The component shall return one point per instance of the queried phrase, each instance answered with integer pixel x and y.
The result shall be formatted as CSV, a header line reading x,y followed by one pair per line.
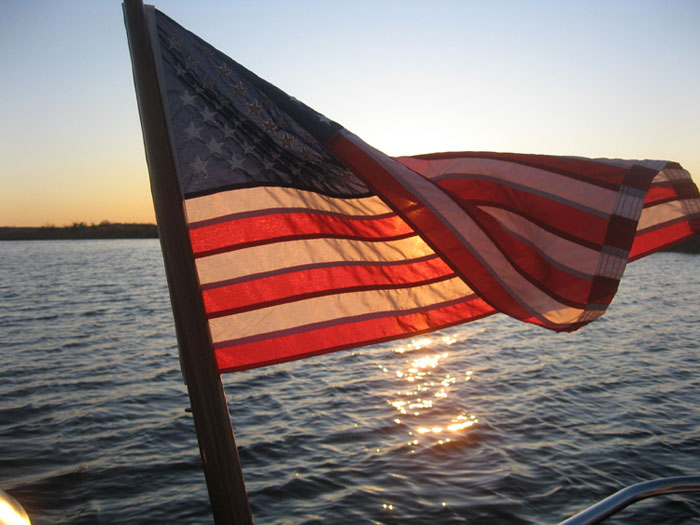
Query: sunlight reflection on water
x,y
424,379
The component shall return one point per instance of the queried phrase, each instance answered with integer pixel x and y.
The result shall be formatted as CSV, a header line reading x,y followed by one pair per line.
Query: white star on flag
x,y
239,89
192,132
248,148
187,99
223,71
269,126
254,108
228,131
191,63
214,146
236,162
208,115
286,141
175,43
199,166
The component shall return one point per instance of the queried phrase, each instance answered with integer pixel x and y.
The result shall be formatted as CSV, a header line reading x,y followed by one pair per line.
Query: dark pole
x,y
222,467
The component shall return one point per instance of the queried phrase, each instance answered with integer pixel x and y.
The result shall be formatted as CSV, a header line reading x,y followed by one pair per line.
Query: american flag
x,y
307,240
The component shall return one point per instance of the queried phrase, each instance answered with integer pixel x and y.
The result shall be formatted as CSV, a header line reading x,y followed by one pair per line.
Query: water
x,y
491,422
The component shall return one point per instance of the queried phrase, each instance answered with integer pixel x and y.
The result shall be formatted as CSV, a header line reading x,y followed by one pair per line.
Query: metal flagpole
x,y
222,468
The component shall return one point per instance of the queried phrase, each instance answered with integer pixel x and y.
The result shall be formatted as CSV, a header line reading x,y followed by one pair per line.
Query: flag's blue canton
x,y
233,129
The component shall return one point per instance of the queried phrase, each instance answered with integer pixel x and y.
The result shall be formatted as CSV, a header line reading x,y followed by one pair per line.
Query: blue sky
x,y
596,78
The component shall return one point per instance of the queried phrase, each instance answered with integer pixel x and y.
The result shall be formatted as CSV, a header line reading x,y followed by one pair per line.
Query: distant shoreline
x,y
689,246
118,230
104,230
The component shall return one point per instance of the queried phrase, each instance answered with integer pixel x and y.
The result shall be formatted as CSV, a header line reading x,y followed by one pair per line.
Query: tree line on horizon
x,y
80,230
125,230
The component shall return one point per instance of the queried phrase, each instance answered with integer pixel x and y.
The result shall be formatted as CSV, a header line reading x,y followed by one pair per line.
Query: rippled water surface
x,y
491,422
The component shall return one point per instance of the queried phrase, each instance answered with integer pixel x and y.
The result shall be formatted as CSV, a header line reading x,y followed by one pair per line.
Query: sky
x,y
601,78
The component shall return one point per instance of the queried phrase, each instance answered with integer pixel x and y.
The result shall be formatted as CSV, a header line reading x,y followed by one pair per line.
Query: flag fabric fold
x,y
306,240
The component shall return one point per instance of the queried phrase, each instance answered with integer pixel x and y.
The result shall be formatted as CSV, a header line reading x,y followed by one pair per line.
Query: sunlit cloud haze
x,y
595,79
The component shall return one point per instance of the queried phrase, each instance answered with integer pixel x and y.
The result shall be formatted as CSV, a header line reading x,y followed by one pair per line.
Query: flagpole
x,y
222,467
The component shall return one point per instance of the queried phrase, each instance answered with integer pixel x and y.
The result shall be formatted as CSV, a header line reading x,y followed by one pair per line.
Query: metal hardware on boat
x,y
11,512
621,499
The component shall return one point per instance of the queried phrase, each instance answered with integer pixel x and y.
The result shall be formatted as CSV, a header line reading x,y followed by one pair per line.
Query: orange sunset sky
x,y
595,79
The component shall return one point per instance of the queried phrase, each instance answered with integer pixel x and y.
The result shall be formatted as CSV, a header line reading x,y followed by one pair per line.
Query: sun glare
x,y
429,382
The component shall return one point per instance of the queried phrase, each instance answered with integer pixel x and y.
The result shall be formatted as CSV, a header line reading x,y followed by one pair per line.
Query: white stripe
x,y
556,186
563,253
262,198
269,257
668,211
629,202
672,175
329,308
453,217
564,315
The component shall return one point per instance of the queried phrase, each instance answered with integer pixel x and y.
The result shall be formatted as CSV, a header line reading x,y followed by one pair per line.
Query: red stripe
x,y
664,237
563,286
349,335
252,231
659,194
668,191
295,285
561,219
